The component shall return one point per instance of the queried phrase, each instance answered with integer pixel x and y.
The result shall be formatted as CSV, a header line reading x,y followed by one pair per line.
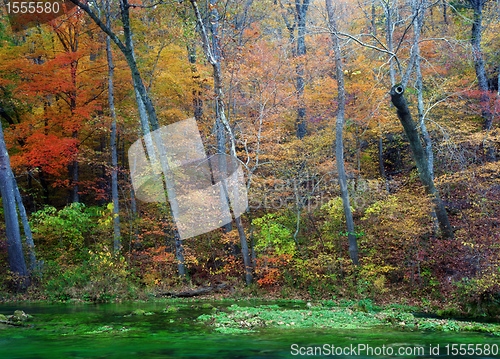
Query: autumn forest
x,y
367,132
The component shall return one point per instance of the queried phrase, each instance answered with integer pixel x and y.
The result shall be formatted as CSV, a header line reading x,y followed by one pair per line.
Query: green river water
x,y
108,331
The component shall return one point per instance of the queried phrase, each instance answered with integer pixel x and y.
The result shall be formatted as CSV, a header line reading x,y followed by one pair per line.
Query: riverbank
x,y
428,305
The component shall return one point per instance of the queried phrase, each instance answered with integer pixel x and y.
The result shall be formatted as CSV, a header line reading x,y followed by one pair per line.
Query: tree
x,y
301,8
212,57
27,229
424,172
419,11
479,65
147,112
339,129
17,263
114,156
56,93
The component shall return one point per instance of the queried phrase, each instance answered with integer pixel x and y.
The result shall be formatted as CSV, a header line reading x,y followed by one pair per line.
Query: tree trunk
x,y
210,54
135,214
431,11
406,119
420,96
45,187
419,86
221,135
290,27
445,15
479,65
197,99
136,75
179,254
17,264
147,112
26,226
244,250
477,52
389,39
301,10
381,156
114,156
374,26
75,195
339,141
380,136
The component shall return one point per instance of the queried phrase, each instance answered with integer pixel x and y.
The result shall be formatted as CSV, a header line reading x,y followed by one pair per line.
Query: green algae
x,y
222,329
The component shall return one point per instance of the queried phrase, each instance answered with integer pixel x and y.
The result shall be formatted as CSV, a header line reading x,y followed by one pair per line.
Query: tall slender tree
x,y
27,229
301,8
480,67
114,155
339,131
403,111
219,98
147,112
478,56
220,131
17,264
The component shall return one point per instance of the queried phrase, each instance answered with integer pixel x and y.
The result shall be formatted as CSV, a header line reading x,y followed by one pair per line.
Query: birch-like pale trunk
x,y
26,227
17,264
339,131
301,11
219,96
219,126
389,37
419,85
114,156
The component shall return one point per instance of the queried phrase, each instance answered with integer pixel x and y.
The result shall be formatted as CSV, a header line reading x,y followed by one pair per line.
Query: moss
x,y
253,318
171,309
140,312
19,316
449,312
248,319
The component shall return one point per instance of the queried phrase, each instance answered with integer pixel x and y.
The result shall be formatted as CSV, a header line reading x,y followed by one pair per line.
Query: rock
x,y
138,312
19,316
